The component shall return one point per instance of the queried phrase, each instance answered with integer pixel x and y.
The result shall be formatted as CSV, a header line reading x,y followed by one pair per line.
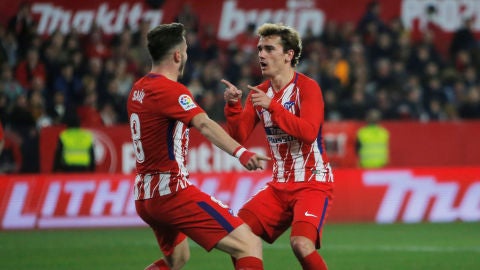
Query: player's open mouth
x,y
263,64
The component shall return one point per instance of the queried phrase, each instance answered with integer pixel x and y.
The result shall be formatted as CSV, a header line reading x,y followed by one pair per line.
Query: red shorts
x,y
188,212
281,205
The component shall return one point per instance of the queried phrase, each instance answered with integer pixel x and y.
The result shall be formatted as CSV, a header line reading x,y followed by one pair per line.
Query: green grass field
x,y
346,246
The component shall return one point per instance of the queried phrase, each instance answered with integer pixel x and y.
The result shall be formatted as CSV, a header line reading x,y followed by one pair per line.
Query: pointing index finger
x,y
254,88
229,84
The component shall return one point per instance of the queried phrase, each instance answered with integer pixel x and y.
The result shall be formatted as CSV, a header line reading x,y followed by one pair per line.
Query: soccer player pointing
x,y
290,107
161,110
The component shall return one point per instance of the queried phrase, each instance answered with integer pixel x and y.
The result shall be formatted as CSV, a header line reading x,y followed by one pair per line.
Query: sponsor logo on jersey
x,y
186,102
307,214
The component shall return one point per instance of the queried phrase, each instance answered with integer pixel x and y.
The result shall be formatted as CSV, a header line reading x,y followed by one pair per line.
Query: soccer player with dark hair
x,y
290,107
161,111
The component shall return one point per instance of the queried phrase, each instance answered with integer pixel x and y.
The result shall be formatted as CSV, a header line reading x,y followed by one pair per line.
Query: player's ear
x,y
289,56
177,56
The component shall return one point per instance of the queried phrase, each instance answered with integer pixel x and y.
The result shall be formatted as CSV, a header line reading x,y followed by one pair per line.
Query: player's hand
x,y
260,98
250,160
232,94
256,162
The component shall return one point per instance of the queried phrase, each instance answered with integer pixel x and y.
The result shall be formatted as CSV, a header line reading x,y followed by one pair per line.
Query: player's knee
x,y
301,246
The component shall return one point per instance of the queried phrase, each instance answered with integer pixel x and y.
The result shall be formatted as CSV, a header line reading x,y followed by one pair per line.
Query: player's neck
x,y
280,80
170,73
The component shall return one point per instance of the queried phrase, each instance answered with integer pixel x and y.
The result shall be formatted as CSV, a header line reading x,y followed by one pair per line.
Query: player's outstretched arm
x,y
218,136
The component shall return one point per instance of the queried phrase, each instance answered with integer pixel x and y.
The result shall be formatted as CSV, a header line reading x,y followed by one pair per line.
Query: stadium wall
x,y
412,144
105,200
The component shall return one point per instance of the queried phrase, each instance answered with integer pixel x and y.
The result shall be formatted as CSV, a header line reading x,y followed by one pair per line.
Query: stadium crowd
x,y
359,65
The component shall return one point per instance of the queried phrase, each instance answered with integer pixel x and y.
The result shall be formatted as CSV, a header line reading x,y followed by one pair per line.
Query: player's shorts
x,y
281,205
188,212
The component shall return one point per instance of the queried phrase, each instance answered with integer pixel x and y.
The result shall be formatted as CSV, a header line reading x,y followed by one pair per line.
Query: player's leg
x,y
310,213
244,247
210,223
176,260
172,243
304,248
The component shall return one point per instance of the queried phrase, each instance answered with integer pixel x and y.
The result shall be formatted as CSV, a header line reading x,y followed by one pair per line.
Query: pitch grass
x,y
346,246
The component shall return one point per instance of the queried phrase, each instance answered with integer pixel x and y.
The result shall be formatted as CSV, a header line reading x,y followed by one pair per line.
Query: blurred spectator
x,y
8,47
75,147
21,118
9,86
209,102
209,42
373,142
332,110
38,110
108,114
356,107
436,110
88,113
56,111
331,35
370,25
23,25
247,40
69,84
23,124
470,106
412,105
124,78
116,101
10,154
341,66
463,38
95,44
29,68
188,18
384,104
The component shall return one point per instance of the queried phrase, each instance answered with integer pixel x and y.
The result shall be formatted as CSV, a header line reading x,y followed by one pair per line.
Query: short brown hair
x,y
290,38
163,38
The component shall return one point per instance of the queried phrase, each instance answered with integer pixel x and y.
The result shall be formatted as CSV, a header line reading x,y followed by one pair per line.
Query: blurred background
x,y
407,67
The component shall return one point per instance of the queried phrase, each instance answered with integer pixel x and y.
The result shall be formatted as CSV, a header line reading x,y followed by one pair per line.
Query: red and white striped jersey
x,y
293,127
160,111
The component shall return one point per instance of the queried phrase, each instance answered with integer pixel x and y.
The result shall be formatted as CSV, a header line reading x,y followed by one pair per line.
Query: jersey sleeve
x,y
306,126
241,121
176,103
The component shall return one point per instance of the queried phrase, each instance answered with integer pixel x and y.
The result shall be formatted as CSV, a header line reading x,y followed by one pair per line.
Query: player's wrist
x,y
239,151
243,154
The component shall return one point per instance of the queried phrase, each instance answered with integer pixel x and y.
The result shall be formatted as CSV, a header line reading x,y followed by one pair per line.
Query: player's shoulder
x,y
304,79
307,82
264,85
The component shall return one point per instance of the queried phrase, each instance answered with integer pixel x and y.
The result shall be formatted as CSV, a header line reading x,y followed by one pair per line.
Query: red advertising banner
x,y
105,200
229,18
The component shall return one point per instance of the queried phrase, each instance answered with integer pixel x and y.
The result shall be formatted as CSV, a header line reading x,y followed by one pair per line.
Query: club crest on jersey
x,y
138,95
288,105
186,102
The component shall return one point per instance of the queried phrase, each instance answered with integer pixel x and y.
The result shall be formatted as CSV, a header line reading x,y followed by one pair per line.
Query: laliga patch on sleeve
x,y
186,102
